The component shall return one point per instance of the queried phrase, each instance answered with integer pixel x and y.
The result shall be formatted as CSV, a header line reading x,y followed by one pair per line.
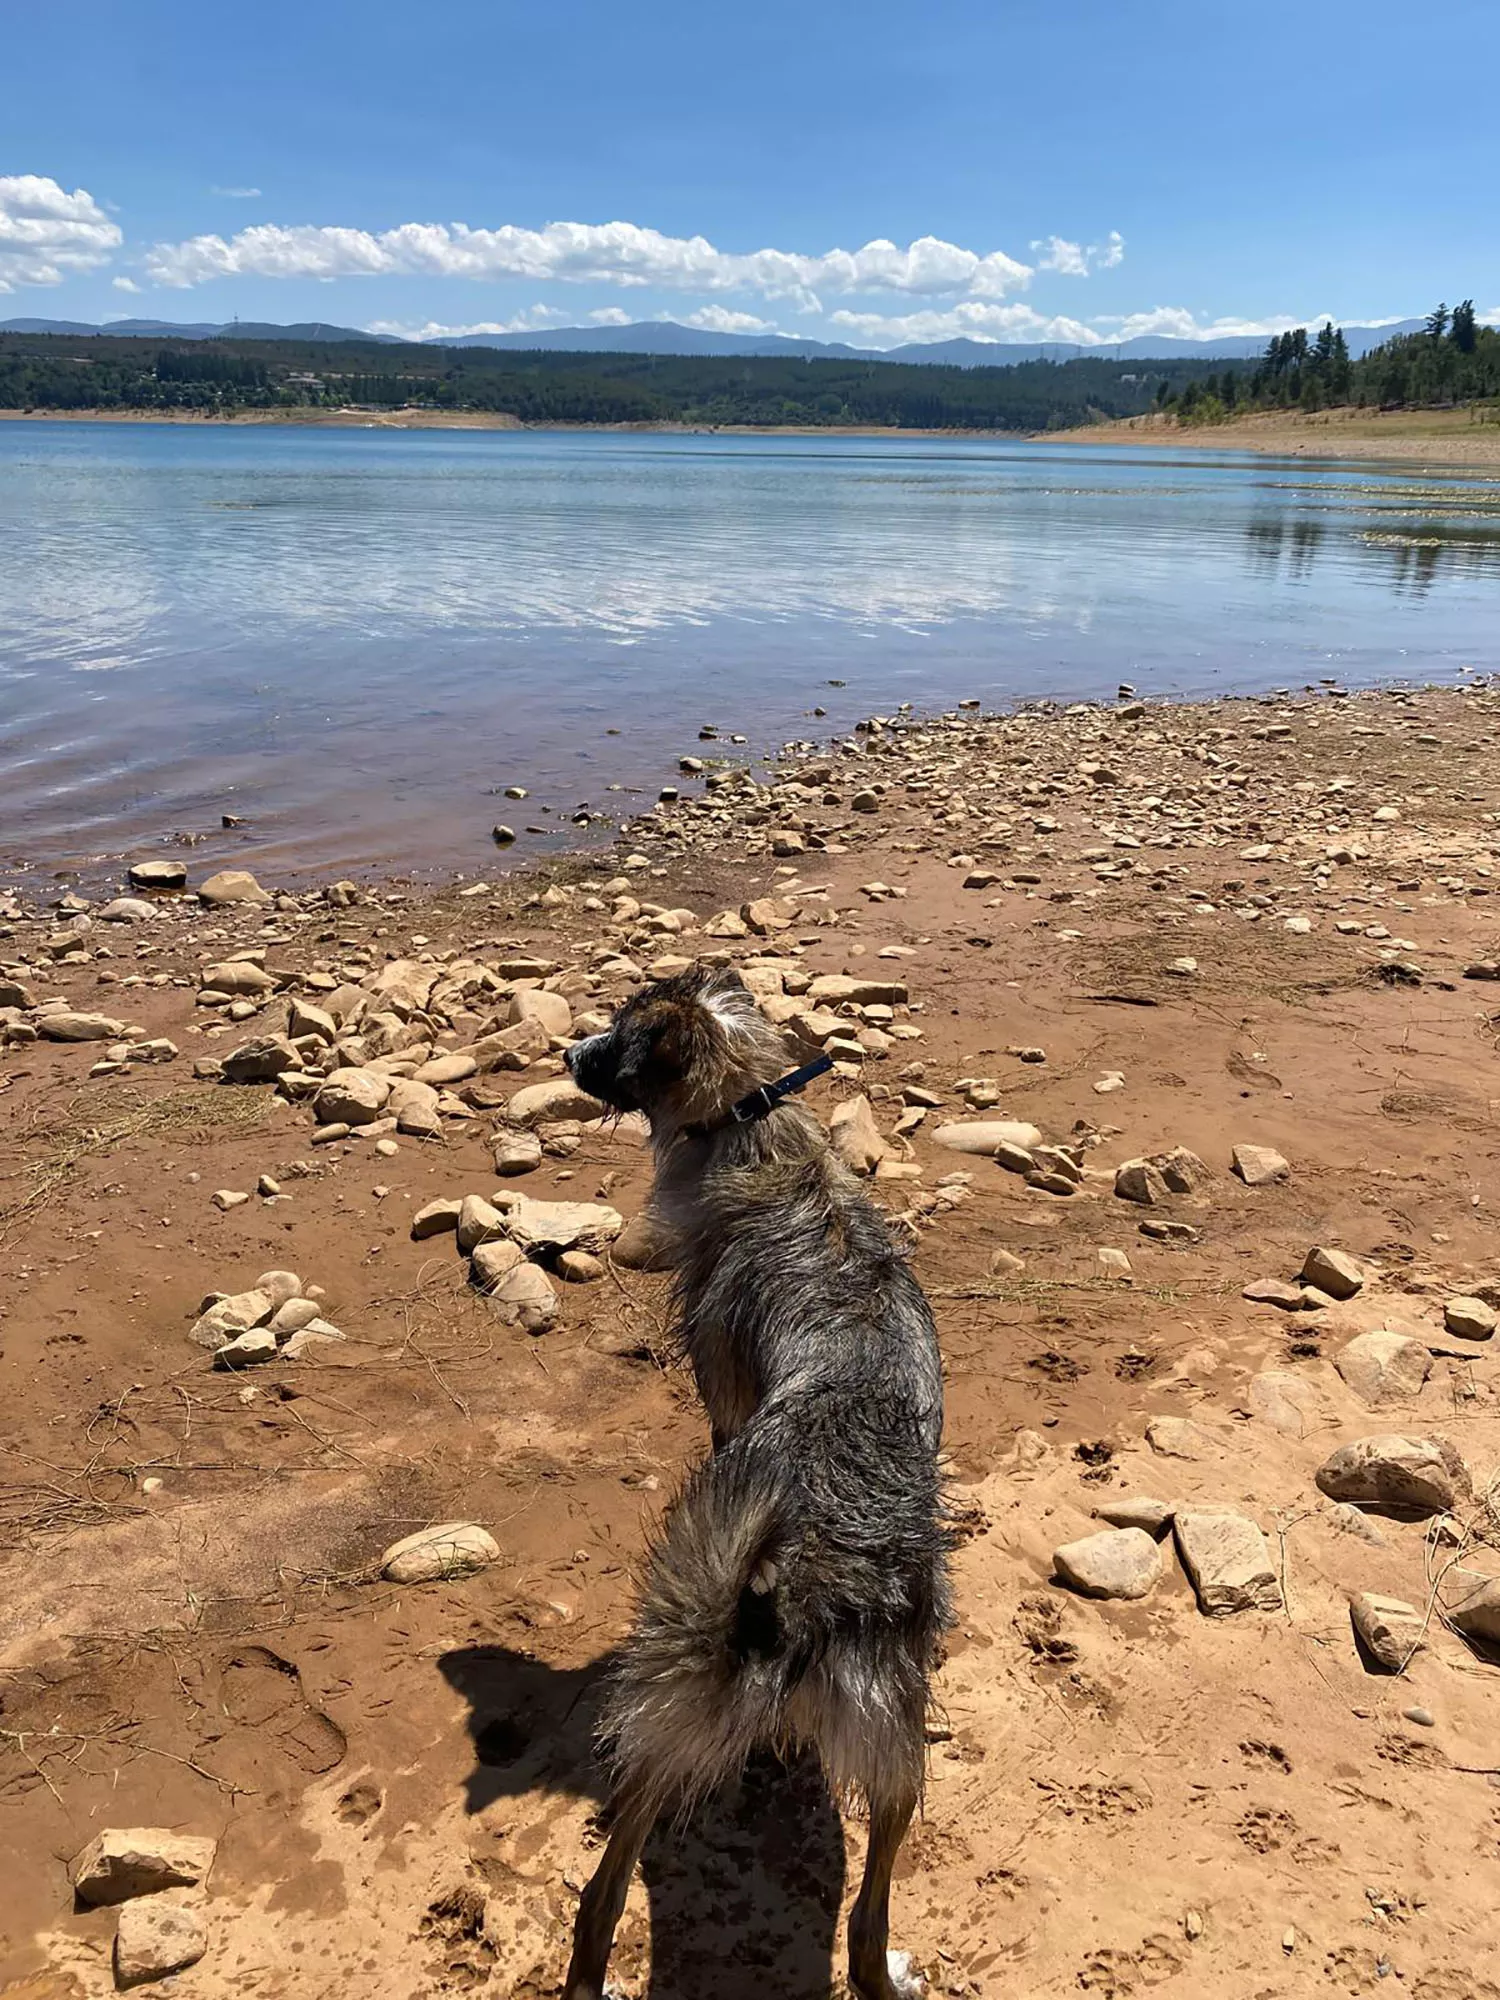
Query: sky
x,y
870,173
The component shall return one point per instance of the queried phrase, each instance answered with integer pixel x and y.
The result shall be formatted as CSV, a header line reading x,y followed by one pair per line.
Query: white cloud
x,y
972,320
47,234
532,320
721,319
610,316
614,253
1179,324
1075,260
237,194
125,284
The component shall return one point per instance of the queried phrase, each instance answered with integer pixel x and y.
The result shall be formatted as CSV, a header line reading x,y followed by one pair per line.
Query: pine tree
x,y
1463,332
1437,323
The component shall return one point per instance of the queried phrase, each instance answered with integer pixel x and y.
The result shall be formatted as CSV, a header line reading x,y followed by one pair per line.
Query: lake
x,y
357,639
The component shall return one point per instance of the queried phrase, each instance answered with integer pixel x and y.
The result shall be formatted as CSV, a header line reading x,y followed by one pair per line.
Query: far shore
x,y
1431,437
1434,437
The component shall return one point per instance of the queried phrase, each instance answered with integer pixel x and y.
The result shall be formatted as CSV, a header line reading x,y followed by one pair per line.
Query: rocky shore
x,y
336,1395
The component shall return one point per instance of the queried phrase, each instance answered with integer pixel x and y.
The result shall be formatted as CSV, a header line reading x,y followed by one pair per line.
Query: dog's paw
x,y
906,1982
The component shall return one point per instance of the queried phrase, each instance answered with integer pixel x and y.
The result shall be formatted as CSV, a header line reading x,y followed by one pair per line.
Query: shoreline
x,y
1429,436
1153,932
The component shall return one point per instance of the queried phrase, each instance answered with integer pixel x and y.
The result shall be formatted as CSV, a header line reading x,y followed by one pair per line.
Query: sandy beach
x,y
1429,437
1178,942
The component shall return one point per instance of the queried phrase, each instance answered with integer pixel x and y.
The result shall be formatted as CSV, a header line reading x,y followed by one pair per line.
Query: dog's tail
x,y
704,1677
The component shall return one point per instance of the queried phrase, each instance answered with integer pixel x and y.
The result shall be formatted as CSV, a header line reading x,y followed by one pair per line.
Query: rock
x,y
139,1860
1227,1561
1259,1166
1287,1402
63,1024
1423,1475
1475,1611
1179,1437
436,1219
517,1153
157,1936
1183,1172
645,1244
303,1019
1470,1319
454,1548
984,1136
1140,1181
351,1097
158,875
550,1010
1116,1562
479,1221
579,1267
1334,1272
280,1287
260,1061
228,1316
246,1349
841,989
552,1226
540,1103
127,910
1114,1263
414,1106
856,1137
228,1198
1384,1368
1151,1516
232,885
307,1339
524,1297
1274,1292
770,913
445,1070
293,1317
493,1261
1389,1629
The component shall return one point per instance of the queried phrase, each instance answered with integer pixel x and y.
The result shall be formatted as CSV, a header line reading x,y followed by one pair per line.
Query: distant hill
x,y
667,337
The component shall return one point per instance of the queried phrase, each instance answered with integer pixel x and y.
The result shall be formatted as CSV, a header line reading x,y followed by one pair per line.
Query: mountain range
x,y
666,337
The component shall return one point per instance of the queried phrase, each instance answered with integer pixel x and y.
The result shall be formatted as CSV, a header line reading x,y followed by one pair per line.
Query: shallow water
x,y
355,638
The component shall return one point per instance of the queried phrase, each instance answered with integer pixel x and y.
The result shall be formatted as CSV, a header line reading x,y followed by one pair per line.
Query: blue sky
x,y
872,173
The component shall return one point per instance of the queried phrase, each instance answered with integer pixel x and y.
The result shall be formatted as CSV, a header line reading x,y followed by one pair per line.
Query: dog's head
x,y
683,1050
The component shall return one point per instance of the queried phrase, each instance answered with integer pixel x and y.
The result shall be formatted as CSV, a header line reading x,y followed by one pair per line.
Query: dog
x,y
796,1595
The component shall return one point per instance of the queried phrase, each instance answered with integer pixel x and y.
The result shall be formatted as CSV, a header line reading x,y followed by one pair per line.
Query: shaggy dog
x,y
797,1591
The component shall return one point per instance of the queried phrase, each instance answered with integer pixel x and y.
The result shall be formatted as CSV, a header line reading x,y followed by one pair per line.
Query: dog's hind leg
x,y
602,1902
870,1919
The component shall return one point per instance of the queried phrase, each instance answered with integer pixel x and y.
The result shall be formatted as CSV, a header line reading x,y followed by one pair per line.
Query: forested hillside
x,y
46,372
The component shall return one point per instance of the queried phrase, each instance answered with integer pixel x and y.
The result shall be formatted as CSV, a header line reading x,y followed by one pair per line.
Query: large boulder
x,y
1384,1367
157,1936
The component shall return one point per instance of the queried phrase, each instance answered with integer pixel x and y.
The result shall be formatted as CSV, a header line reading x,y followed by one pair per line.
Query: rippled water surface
x,y
354,637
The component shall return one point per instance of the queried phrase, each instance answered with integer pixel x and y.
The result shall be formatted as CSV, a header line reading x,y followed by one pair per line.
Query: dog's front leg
x,y
602,1902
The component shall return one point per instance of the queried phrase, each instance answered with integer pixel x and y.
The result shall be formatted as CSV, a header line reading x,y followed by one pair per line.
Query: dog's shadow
x,y
744,1899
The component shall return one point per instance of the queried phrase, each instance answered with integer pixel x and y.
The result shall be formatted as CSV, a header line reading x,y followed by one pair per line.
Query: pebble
x,y
493,1261
479,1221
435,1219
1423,1717
1141,1182
523,1295
539,1103
579,1267
1137,1511
454,1548
1116,1562
986,1135
1274,1292
228,1198
517,1153
351,1097
246,1349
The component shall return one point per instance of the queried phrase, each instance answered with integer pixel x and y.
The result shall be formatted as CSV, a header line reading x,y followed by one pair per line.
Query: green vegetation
x,y
41,372
1452,361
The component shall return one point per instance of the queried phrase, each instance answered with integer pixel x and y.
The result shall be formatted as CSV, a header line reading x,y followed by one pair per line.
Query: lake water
x,y
356,638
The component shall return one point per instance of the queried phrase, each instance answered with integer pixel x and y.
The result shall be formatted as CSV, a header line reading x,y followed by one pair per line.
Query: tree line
x,y
41,372
1452,360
